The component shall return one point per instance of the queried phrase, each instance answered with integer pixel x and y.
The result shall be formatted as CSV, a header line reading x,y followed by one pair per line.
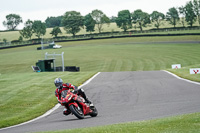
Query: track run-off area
x,y
124,97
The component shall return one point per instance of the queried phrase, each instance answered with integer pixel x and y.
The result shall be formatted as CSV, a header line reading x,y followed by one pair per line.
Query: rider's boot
x,y
66,111
87,101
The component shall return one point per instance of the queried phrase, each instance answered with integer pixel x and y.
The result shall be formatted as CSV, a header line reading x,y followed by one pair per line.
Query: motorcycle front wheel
x,y
94,111
77,111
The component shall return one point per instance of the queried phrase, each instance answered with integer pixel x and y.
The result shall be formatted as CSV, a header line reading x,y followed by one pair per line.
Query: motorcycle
x,y
77,105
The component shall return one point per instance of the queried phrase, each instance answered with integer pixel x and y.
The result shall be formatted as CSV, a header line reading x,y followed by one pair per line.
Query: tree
x,y
39,28
182,12
190,14
13,20
27,31
141,18
5,41
157,17
113,19
20,38
172,16
73,22
100,19
124,20
53,21
56,30
89,23
196,4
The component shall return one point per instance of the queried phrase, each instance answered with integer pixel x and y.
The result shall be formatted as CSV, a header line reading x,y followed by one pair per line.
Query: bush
x,y
15,41
20,39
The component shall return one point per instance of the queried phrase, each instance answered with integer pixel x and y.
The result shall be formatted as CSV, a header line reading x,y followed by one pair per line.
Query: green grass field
x,y
22,91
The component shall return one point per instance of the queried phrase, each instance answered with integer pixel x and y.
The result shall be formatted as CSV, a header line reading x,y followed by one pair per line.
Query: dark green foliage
x,y
172,16
196,4
20,39
73,22
13,20
53,21
113,19
182,12
157,17
89,23
100,19
141,18
124,20
39,28
27,31
190,15
56,30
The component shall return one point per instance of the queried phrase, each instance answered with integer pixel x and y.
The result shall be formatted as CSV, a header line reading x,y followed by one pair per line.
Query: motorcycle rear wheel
x,y
77,111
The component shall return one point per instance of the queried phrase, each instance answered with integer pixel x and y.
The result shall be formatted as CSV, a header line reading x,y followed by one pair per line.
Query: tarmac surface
x,y
123,97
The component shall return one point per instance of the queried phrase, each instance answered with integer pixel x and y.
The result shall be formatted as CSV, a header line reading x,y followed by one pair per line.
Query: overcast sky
x,y
41,9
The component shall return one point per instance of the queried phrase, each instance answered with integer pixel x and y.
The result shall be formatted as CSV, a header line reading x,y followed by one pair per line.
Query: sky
x,y
41,9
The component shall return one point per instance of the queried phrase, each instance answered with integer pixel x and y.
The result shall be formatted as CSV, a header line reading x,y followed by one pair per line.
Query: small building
x,y
46,65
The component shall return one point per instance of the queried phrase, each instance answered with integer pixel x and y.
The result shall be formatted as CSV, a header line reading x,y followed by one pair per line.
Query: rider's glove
x,y
62,103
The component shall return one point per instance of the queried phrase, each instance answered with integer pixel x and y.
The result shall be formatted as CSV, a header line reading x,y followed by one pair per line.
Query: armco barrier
x,y
109,36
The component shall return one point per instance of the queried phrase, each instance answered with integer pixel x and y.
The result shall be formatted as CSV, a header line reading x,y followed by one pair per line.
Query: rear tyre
x,y
77,111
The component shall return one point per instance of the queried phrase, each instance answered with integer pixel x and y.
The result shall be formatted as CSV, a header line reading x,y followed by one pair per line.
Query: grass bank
x,y
184,72
179,124
26,95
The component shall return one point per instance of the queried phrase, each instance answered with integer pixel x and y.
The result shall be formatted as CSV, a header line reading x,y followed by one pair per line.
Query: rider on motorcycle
x,y
60,86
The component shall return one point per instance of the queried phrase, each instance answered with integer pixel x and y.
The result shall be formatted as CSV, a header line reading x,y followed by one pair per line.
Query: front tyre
x,y
94,112
77,111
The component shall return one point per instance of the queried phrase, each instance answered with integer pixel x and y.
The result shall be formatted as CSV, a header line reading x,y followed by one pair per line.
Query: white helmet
x,y
58,83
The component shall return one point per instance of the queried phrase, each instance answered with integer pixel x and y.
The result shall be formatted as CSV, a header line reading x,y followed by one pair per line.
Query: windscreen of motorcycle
x,y
64,93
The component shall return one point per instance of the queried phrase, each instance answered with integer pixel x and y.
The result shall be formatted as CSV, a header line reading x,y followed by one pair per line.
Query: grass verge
x,y
179,124
25,96
184,72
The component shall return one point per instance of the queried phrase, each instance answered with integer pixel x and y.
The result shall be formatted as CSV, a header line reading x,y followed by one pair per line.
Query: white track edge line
x,y
181,78
51,110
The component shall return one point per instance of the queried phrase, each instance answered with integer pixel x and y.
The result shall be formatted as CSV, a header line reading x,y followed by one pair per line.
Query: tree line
x,y
73,21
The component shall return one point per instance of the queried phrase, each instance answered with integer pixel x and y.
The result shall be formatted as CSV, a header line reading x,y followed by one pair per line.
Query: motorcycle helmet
x,y
58,83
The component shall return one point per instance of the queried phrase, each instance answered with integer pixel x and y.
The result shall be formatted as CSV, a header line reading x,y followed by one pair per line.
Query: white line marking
x,y
51,110
89,80
181,78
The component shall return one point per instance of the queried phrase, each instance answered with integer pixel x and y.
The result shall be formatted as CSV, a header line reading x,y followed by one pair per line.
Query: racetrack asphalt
x,y
123,97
